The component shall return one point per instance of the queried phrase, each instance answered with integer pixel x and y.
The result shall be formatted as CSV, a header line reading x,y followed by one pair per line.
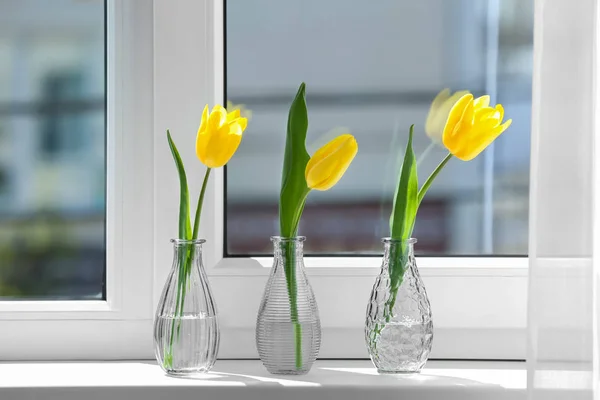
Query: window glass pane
x,y
52,149
373,68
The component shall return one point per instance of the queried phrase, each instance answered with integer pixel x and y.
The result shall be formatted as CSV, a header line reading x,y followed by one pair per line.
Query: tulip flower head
x,y
327,166
219,135
438,113
473,125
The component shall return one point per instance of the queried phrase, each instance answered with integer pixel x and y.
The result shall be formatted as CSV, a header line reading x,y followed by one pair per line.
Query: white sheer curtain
x,y
563,286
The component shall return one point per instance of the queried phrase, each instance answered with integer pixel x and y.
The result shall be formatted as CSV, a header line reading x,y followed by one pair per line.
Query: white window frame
x,y
165,63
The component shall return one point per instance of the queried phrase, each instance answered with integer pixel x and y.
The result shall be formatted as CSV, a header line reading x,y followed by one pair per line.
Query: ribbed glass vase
x,y
399,326
288,330
186,330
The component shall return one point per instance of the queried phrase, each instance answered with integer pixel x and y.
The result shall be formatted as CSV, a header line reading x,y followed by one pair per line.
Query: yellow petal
x,y
230,137
483,127
204,119
235,128
217,117
505,126
202,140
468,117
476,146
202,136
219,109
231,115
455,115
242,122
207,146
483,101
500,110
485,113
327,166
459,124
462,129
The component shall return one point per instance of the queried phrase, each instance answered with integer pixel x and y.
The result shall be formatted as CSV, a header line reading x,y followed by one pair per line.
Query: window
x,y
52,150
373,69
152,85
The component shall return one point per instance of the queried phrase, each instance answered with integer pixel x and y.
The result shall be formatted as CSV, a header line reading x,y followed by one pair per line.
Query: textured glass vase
x,y
288,330
399,328
186,330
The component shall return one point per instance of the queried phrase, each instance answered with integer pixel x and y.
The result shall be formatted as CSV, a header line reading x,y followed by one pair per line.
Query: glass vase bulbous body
x,y
186,329
399,326
288,329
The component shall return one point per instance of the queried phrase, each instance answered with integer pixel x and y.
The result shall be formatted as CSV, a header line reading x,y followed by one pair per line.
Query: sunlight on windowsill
x,y
329,376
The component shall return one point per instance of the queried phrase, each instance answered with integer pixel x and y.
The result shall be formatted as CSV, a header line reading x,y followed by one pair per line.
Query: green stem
x,y
298,215
290,274
298,339
199,206
184,260
292,286
288,250
429,180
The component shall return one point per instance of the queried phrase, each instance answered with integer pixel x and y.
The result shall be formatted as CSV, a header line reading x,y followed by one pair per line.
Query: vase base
x,y
187,373
288,372
396,372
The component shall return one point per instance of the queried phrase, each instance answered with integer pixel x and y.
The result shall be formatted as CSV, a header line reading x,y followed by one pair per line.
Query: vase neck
x,y
288,249
191,249
393,248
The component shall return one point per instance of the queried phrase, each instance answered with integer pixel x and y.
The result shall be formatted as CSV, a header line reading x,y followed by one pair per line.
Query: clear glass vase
x,y
399,327
288,329
186,330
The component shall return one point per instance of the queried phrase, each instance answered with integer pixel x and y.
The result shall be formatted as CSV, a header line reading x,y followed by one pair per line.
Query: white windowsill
x,y
248,380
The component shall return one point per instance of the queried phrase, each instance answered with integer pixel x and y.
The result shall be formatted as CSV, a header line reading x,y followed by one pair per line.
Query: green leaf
x,y
404,210
185,229
293,182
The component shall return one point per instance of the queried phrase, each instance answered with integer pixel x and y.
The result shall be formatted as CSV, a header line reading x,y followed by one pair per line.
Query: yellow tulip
x,y
219,136
438,113
473,125
327,166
